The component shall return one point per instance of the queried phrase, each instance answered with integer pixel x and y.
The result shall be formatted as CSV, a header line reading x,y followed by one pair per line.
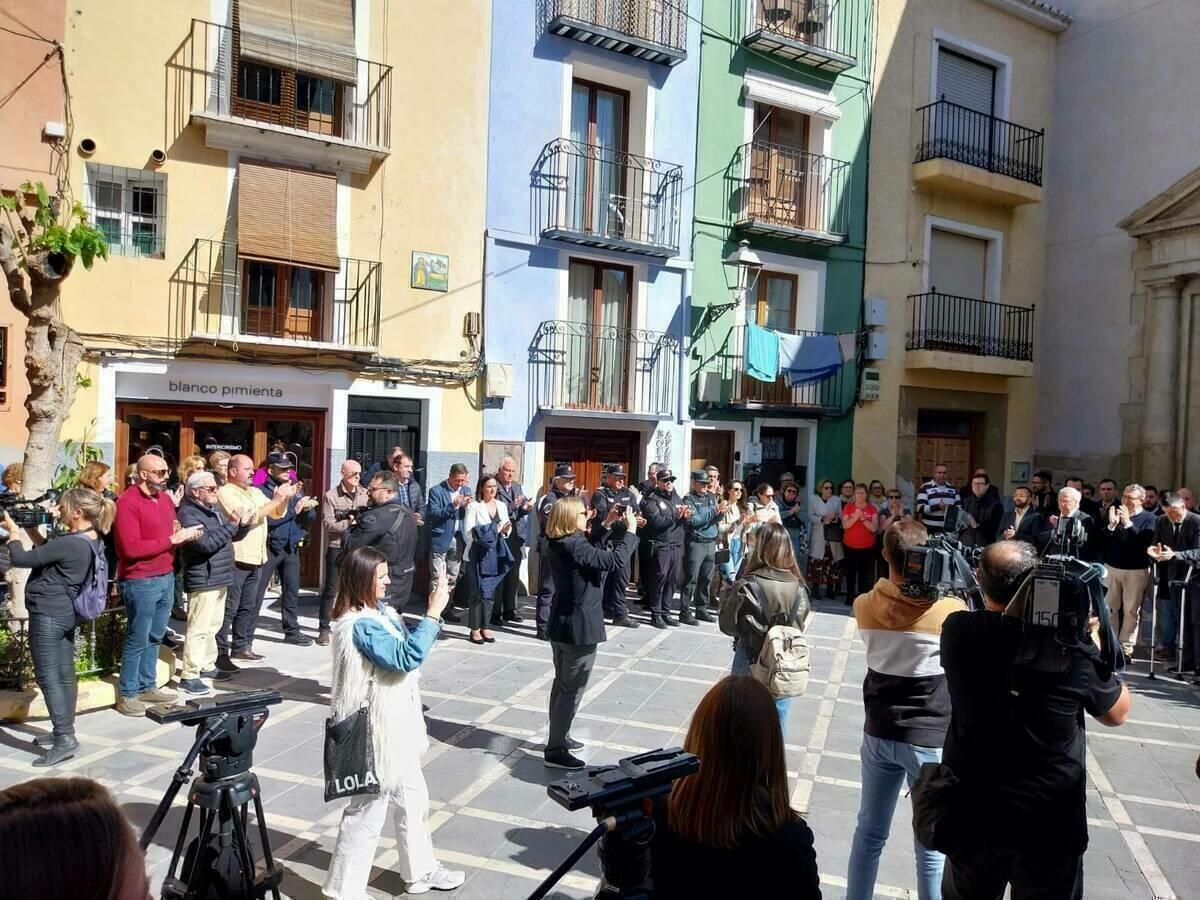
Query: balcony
x,y
978,155
602,370
824,34
739,390
599,197
792,194
222,297
961,334
282,113
653,30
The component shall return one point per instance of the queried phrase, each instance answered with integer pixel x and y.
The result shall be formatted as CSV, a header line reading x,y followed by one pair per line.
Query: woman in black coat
x,y
576,623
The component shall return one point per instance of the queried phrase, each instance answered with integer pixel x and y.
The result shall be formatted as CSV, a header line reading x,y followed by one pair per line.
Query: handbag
x,y
350,754
936,807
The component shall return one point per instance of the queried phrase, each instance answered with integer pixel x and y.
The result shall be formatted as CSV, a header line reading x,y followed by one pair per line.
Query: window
x,y
966,82
776,301
287,97
958,264
315,95
259,83
282,301
599,306
130,207
599,120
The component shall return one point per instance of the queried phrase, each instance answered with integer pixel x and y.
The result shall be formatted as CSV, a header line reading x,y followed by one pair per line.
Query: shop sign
x,y
204,389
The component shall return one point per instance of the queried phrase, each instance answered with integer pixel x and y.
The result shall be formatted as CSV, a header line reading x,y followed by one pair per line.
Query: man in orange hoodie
x,y
907,706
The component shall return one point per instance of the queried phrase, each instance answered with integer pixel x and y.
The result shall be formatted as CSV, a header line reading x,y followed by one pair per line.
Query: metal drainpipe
x,y
1183,380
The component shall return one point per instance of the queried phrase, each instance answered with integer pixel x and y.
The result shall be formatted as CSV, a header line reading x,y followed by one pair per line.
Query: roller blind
x,y
315,36
957,264
965,82
287,215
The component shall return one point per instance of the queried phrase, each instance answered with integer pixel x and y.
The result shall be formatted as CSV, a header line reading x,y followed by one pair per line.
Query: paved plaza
x,y
491,815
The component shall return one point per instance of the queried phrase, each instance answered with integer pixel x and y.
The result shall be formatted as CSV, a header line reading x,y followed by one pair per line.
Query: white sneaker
x,y
440,879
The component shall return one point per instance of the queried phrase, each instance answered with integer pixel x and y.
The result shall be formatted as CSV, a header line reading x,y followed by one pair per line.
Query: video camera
x,y
341,515
28,513
943,565
1059,599
616,796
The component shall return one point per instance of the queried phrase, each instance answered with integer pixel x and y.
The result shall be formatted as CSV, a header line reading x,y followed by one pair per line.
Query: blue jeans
x,y
741,666
729,569
886,765
147,608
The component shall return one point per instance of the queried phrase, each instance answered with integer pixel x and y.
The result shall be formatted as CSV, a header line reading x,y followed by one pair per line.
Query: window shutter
x,y
966,82
287,216
958,264
315,36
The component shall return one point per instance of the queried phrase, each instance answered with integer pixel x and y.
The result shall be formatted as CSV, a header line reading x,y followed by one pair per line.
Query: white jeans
x,y
206,613
362,823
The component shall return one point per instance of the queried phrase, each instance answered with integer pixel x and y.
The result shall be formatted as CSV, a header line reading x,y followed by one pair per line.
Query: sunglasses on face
x,y
893,496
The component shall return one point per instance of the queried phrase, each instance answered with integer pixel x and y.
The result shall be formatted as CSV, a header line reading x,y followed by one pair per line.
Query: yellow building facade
x,y
955,239
269,174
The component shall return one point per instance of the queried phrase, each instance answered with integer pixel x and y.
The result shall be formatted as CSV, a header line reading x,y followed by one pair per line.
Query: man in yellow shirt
x,y
239,496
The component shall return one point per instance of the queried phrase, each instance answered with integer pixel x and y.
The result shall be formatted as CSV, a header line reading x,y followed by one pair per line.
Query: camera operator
x,y
1174,550
339,506
614,494
1069,530
389,526
1017,744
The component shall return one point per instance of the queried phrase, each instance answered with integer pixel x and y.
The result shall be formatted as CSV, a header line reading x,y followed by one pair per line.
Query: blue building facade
x,y
591,155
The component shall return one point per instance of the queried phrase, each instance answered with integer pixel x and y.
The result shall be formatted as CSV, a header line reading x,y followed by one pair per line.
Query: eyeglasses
x,y
893,496
156,471
736,490
769,496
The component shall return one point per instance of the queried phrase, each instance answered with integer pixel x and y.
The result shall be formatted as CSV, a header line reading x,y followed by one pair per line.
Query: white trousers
x,y
362,824
1126,588
206,613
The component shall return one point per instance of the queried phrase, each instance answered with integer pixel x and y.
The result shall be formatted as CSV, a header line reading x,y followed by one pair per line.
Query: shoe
x,y
193,686
225,664
1162,654
657,622
440,879
686,618
158,695
450,615
671,623
216,675
178,612
573,744
172,640
1196,679
44,741
543,634
475,640
562,759
298,640
247,655
705,616
131,706
323,637
514,617
64,748
624,622
489,639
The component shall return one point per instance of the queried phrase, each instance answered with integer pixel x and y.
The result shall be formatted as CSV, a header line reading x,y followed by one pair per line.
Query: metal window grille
x,y
130,207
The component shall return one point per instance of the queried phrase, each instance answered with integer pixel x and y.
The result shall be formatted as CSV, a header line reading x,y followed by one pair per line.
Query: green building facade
x,y
782,148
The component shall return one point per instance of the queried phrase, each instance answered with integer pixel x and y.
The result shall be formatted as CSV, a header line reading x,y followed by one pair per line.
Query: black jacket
x,y
290,530
663,527
374,528
579,568
1125,548
207,562
1032,525
1189,539
602,501
987,512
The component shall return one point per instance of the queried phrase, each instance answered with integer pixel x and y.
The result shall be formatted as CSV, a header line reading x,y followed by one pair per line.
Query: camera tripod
x,y
219,863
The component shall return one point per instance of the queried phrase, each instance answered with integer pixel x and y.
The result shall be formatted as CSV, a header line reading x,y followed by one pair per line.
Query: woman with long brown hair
x,y
771,581
375,663
46,822
730,830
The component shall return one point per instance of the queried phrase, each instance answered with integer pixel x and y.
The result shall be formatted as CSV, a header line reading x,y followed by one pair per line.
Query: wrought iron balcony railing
x,y
950,131
603,368
222,84
743,390
826,34
608,198
654,30
965,325
220,296
793,193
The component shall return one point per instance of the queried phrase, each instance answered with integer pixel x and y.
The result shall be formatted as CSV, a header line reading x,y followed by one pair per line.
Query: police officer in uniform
x,y
614,492
700,535
664,512
562,485
645,573
390,527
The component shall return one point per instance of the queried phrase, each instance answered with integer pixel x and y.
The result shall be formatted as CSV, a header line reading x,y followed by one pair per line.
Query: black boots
x,y
62,749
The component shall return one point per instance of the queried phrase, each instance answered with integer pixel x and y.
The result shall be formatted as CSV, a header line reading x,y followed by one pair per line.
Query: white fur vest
x,y
397,723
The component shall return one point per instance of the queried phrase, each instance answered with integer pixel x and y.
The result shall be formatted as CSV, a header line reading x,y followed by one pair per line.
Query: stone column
x,y
1160,419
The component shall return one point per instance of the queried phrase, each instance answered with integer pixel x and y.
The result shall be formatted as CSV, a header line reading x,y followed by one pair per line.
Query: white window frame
x,y
986,55
96,175
808,316
994,262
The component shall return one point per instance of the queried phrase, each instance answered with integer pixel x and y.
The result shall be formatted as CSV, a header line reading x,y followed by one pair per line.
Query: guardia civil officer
x,y
388,525
614,493
562,485
700,535
664,512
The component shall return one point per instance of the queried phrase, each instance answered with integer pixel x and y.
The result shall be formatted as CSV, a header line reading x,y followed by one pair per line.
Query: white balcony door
x,y
596,340
958,269
599,130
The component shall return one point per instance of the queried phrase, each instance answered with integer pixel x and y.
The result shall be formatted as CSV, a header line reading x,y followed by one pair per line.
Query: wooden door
x,y
713,448
781,165
589,453
955,452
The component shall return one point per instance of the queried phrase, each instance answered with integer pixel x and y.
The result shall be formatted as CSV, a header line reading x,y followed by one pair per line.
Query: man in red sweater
x,y
146,542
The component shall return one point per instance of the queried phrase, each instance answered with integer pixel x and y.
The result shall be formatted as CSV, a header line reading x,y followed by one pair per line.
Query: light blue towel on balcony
x,y
810,358
762,353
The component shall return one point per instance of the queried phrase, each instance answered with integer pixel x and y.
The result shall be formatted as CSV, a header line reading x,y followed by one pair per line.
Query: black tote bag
x,y
350,755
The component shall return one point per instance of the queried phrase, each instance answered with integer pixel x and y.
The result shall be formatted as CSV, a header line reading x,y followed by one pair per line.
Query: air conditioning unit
x,y
497,380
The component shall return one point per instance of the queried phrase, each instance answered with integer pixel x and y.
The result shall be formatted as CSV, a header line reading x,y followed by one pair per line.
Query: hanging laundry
x,y
847,341
818,357
761,353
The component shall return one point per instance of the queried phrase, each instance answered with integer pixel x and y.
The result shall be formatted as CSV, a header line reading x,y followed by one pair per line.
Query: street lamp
x,y
747,267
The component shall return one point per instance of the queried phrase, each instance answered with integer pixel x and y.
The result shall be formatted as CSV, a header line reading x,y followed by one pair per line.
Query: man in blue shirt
x,y
447,507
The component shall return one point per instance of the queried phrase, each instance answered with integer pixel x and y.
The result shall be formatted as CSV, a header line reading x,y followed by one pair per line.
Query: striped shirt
x,y
905,692
931,492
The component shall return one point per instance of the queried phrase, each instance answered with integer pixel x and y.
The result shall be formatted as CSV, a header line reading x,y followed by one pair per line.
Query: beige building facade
x,y
955,238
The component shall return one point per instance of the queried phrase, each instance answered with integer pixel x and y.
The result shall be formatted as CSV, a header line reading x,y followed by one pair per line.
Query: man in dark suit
x,y
1070,531
447,505
1176,540
519,506
1022,522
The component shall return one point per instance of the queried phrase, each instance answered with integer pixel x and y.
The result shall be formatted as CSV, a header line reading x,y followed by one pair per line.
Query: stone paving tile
x,y
492,816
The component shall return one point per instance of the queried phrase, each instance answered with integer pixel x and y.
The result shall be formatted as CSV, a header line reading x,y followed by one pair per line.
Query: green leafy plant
x,y
78,454
73,239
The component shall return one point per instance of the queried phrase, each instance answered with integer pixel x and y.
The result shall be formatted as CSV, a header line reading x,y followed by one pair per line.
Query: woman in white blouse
x,y
486,511
762,509
824,556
